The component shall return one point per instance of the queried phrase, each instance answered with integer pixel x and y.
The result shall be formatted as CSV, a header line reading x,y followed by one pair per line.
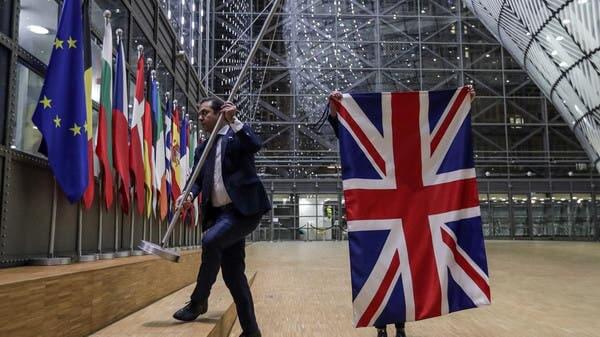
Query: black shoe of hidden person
x,y
382,333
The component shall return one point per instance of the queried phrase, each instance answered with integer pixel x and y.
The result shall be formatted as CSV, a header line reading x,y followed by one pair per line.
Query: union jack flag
x,y
416,242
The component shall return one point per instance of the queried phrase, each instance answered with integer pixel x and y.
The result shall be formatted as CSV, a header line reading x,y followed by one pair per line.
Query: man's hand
x,y
337,96
187,203
471,92
228,110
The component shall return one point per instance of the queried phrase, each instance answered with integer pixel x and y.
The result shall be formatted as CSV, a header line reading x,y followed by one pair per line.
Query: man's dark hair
x,y
215,103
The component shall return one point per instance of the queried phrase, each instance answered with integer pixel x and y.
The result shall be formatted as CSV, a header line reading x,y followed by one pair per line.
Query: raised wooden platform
x,y
156,320
79,299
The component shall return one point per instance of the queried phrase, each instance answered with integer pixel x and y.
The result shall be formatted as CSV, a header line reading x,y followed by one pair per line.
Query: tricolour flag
x,y
148,150
165,198
88,196
104,131
414,225
61,114
159,150
155,109
136,157
176,177
121,126
184,152
184,164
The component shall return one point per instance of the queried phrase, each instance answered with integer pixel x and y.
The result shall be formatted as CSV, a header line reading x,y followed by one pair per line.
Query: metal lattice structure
x,y
557,42
316,46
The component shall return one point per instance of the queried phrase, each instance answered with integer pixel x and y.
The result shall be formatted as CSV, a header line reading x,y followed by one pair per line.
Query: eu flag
x,y
60,114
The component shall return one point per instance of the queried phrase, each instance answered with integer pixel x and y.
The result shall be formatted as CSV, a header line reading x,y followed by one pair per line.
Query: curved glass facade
x,y
558,44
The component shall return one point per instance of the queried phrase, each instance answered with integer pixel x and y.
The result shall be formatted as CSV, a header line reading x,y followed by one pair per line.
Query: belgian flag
x,y
88,196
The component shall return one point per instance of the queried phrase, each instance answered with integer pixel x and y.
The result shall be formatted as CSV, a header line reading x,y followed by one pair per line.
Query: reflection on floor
x,y
540,289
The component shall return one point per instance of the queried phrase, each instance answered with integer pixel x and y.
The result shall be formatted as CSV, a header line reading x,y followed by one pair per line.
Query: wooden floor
x,y
540,289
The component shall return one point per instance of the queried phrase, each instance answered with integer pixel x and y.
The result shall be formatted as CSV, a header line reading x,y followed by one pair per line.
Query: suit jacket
x,y
245,189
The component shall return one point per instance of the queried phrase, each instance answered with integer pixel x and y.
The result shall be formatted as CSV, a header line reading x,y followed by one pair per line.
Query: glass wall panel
x,y
307,216
520,204
541,214
395,7
96,71
438,7
500,215
482,56
581,205
4,76
6,17
486,216
562,214
285,225
37,27
29,85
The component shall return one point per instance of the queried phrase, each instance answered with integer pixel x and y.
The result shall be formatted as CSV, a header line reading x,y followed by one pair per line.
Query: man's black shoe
x,y
382,333
191,311
255,334
400,333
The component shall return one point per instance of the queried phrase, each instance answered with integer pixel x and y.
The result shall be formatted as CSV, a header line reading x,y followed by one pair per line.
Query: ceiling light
x,y
38,29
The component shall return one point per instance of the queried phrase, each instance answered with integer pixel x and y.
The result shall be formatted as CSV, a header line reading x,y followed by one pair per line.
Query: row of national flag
x,y
145,159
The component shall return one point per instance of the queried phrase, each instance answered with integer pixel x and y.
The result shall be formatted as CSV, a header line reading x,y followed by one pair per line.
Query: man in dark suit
x,y
233,201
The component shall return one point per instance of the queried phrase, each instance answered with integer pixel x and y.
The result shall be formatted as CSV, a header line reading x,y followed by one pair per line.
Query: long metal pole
x,y
53,222
100,221
145,223
117,220
79,229
131,224
215,130
150,224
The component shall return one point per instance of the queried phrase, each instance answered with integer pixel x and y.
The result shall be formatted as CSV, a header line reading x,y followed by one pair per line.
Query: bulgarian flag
x,y
104,132
136,157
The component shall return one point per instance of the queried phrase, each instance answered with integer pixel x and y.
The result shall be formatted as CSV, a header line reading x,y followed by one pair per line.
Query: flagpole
x,y
150,228
51,260
116,236
79,227
99,248
105,255
144,223
148,220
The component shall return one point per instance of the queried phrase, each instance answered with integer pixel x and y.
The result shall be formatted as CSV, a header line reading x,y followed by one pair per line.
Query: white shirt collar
x,y
224,129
